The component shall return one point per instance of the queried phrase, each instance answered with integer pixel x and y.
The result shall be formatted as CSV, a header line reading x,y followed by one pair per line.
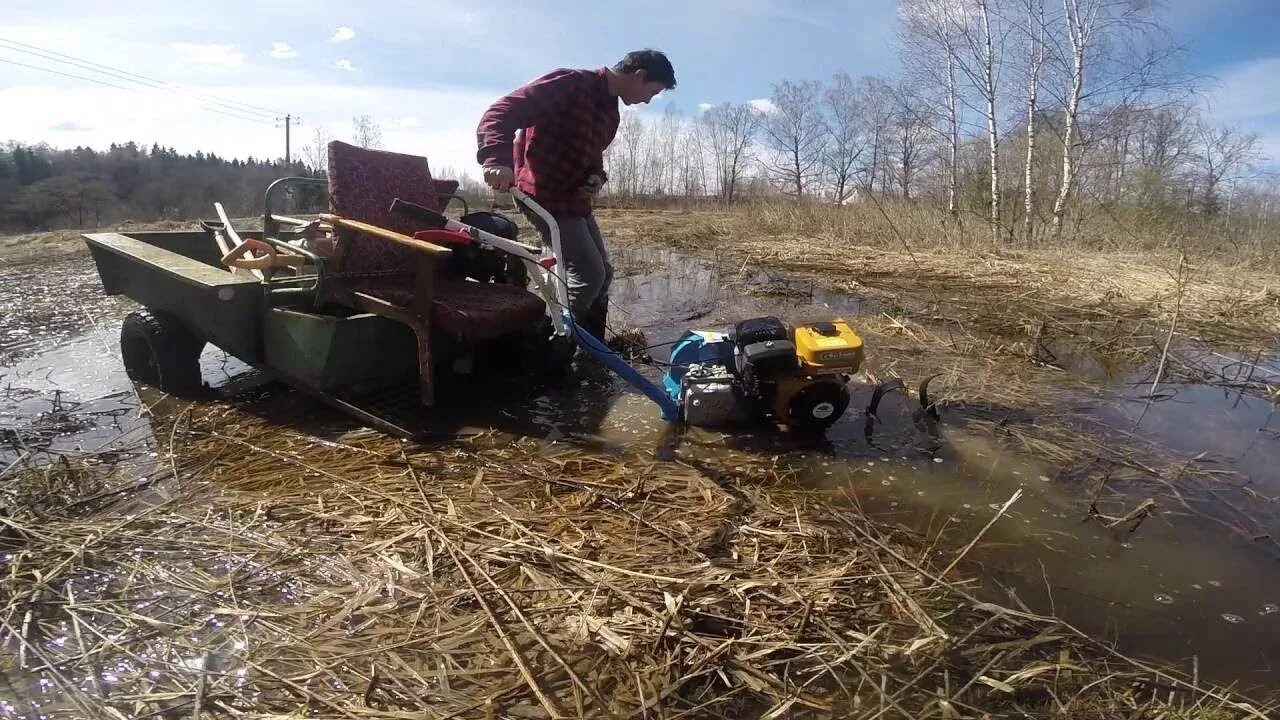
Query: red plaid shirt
x,y
566,119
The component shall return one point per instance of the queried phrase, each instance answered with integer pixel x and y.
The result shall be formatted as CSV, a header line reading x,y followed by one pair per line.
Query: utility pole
x,y
288,125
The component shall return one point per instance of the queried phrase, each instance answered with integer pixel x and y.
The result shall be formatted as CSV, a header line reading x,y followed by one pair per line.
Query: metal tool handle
x,y
553,227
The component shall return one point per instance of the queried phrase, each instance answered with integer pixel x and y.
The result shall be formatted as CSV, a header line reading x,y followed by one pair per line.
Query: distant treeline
x,y
42,188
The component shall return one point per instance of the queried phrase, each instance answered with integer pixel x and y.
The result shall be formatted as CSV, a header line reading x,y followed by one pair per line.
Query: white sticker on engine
x,y
822,411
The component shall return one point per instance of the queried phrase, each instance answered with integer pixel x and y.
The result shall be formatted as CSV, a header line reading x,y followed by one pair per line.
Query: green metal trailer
x,y
301,323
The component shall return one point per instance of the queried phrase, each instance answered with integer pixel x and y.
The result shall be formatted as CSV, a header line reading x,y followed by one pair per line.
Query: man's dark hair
x,y
656,66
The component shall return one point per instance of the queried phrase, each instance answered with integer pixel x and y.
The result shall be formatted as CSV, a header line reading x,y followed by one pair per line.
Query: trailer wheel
x,y
160,351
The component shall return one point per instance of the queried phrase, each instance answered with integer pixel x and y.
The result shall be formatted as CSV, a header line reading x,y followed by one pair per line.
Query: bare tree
x,y
1222,154
929,45
1034,36
366,132
668,139
1164,143
875,97
990,65
1114,54
793,130
693,160
315,154
1080,29
727,132
845,135
912,129
625,155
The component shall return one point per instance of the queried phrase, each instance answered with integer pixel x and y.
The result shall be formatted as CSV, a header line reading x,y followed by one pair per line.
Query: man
x,y
548,138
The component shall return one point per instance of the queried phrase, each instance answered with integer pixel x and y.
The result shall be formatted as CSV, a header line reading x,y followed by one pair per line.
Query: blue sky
x,y
426,70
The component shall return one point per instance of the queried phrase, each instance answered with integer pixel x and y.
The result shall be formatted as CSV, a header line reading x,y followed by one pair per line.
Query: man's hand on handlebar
x,y
594,183
499,178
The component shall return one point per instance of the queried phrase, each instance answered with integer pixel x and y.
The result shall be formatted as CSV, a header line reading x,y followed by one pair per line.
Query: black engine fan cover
x,y
492,222
817,406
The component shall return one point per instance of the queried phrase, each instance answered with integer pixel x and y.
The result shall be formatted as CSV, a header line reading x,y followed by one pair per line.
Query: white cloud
x,y
763,105
1248,91
345,64
69,126
342,34
209,54
406,122
282,51
1249,97
703,107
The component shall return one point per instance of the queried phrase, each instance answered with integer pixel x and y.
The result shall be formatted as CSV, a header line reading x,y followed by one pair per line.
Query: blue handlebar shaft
x,y
670,408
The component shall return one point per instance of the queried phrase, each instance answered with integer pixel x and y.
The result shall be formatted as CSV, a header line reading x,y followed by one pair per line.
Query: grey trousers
x,y
586,261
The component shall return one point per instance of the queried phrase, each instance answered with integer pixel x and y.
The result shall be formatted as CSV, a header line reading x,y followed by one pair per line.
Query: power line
x,y
97,81
67,75
123,76
119,74
130,76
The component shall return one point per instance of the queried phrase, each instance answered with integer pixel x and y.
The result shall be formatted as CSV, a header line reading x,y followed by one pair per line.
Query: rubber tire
x,y
800,410
159,350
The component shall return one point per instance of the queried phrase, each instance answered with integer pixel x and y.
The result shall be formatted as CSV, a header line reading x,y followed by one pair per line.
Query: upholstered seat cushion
x,y
469,311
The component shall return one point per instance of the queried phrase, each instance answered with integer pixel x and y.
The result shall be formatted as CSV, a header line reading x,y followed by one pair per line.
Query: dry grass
x,y
360,577
56,244
1088,288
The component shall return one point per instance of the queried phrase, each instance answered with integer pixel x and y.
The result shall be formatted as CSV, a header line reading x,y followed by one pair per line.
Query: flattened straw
x,y
200,687
548,551
548,703
67,687
303,691
21,457
537,635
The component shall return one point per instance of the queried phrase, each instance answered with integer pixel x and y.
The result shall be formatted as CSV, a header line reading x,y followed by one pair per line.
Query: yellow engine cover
x,y
828,347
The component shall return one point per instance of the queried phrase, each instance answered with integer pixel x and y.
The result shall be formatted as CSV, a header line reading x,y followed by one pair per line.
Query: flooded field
x,y
1196,584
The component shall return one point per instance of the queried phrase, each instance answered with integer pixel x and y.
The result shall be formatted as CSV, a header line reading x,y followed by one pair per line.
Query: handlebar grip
x,y
431,219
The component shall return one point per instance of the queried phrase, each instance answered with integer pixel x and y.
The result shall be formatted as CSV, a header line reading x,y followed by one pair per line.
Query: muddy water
x,y
1200,579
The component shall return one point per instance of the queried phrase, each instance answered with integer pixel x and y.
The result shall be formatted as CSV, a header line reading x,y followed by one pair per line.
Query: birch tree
x,y
630,142
1034,32
987,82
1113,53
793,130
669,135
972,36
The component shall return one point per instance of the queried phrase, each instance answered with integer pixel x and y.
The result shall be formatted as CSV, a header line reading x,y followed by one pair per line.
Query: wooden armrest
x,y
341,222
